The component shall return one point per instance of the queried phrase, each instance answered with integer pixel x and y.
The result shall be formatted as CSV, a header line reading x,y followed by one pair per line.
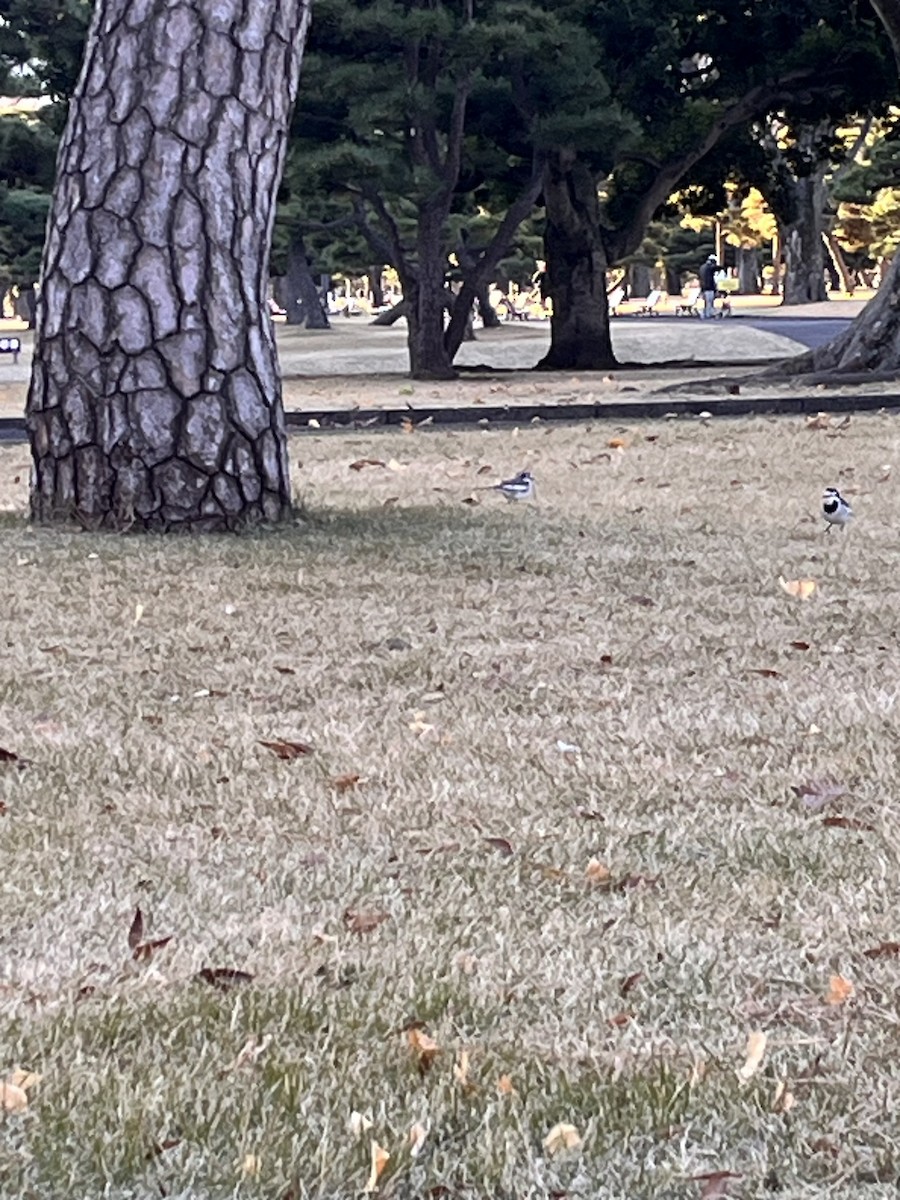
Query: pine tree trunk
x,y
428,356
870,343
748,270
155,399
804,254
375,286
576,269
639,281
305,306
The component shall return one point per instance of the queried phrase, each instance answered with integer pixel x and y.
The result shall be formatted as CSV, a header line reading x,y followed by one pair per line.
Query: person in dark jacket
x,y
707,274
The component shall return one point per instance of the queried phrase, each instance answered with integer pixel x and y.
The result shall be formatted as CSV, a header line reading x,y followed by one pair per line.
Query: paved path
x,y
808,331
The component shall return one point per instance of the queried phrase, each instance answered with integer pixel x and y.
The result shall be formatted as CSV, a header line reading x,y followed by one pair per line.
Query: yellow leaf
x,y
839,990
251,1166
380,1159
801,588
596,871
617,443
417,1136
562,1137
12,1098
756,1048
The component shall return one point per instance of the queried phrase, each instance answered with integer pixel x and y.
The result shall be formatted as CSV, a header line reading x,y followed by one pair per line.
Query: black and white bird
x,y
835,508
520,487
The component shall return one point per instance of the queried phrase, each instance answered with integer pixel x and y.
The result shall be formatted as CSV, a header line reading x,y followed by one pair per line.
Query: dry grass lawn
x,y
570,883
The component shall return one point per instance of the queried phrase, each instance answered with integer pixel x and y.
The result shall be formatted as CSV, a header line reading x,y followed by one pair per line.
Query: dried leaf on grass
x,y
783,1100
10,757
852,823
883,950
13,1099
801,589
714,1185
501,844
597,872
379,1160
363,920
629,982
839,990
346,783
287,750
756,1049
224,978
362,463
505,1086
424,1047
816,793
141,950
562,1137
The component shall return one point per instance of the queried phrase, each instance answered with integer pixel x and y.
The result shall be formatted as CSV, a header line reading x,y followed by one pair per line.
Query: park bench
x,y
11,345
614,299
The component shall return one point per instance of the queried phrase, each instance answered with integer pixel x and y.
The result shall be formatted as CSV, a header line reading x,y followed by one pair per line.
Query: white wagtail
x,y
520,487
835,508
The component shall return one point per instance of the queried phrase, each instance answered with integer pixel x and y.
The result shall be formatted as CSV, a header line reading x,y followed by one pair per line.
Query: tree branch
x,y
622,242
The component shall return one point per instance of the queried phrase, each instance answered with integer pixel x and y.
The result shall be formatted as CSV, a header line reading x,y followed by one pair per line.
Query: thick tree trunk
x,y
304,305
375,286
576,269
639,281
748,270
804,256
487,312
428,356
870,343
155,399
673,281
839,263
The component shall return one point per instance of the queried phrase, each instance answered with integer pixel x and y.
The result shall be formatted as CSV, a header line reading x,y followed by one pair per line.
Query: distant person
x,y
707,275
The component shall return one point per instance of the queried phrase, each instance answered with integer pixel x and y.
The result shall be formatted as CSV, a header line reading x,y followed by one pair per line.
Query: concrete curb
x,y
12,429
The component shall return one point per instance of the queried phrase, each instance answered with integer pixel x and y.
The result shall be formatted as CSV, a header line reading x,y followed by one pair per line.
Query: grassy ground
x,y
573,859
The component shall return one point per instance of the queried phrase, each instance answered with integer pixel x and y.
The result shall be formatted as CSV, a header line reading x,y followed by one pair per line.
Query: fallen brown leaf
x,y
765,672
629,982
424,1047
379,1160
620,1019
848,823
362,921
501,845
800,645
287,750
224,978
361,463
839,990
505,1086
714,1185
345,783
883,950
597,872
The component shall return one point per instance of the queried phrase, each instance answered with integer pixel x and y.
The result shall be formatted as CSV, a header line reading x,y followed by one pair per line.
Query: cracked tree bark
x,y
576,269
155,398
